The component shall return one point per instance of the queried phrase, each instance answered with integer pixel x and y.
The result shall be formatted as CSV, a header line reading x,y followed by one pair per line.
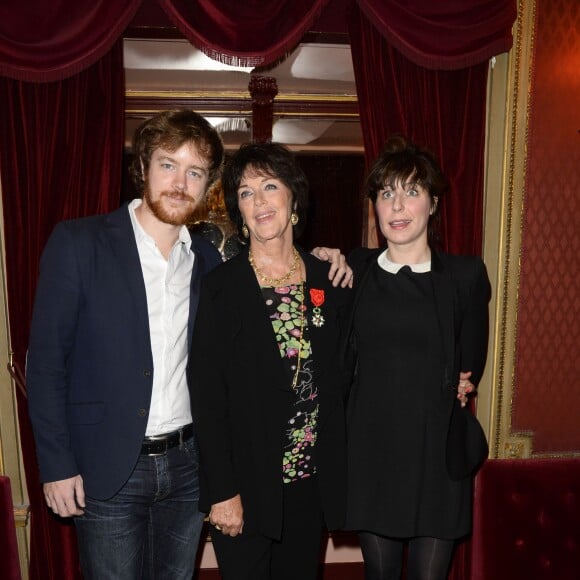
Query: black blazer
x,y
90,369
462,291
242,395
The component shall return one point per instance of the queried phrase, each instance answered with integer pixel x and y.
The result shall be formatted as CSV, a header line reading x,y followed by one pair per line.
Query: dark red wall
x,y
547,383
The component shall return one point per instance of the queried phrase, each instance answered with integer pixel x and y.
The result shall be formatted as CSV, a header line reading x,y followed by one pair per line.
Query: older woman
x,y
267,392
420,317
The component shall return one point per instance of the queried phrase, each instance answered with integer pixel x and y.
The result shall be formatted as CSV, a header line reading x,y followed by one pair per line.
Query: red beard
x,y
175,216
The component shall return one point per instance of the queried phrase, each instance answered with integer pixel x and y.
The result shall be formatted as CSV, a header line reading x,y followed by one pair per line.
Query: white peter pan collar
x,y
385,263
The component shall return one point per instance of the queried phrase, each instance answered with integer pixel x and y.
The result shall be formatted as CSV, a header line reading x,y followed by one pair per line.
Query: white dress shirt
x,y
167,285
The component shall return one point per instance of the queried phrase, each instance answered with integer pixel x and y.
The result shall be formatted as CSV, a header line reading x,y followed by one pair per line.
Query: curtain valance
x,y
244,32
444,34
44,41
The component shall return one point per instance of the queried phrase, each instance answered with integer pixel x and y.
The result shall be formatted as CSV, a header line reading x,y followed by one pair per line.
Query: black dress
x,y
397,422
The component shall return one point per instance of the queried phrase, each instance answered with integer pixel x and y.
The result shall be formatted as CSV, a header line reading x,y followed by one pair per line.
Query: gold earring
x,y
294,218
245,231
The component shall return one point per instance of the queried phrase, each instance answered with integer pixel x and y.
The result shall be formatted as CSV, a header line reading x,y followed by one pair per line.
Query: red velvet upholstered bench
x,y
526,520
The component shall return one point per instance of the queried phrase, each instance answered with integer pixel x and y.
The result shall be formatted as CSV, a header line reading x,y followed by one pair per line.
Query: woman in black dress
x,y
420,317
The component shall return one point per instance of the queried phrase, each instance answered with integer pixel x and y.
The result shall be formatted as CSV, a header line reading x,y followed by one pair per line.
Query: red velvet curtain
x,y
9,562
443,110
444,34
244,32
338,225
43,41
61,148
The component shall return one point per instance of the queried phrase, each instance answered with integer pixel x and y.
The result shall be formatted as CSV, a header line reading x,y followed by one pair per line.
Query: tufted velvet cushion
x,y
9,564
526,522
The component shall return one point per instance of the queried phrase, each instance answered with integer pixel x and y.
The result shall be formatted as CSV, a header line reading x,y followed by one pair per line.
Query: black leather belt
x,y
159,444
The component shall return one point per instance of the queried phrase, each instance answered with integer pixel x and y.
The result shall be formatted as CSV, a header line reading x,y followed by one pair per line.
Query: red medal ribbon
x,y
317,297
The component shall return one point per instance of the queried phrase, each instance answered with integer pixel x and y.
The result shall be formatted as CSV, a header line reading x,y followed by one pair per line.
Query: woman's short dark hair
x,y
271,159
402,160
170,130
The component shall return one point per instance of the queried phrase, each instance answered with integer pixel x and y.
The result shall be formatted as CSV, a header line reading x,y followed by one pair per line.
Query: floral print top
x,y
287,311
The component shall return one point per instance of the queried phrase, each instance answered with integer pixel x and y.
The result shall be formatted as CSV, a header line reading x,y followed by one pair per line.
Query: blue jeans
x,y
151,528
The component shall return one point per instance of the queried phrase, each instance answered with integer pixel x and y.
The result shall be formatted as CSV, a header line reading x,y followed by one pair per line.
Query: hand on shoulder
x,y
340,272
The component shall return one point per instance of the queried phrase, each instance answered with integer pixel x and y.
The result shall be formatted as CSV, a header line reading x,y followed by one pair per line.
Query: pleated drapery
x,y
60,157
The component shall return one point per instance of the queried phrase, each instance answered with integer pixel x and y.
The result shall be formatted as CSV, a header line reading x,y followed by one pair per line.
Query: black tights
x,y
428,558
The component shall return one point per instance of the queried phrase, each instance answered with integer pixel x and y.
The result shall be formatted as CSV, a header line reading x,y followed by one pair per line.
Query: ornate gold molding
x,y
239,103
11,463
508,116
518,446
21,513
331,98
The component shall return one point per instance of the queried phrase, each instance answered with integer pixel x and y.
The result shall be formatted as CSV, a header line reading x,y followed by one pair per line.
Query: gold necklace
x,y
275,281
300,338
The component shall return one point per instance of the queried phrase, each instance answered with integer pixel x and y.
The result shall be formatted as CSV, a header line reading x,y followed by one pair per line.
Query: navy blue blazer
x,y
89,370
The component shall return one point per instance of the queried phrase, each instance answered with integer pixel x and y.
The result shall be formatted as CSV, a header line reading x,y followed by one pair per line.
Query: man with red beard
x,y
106,371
